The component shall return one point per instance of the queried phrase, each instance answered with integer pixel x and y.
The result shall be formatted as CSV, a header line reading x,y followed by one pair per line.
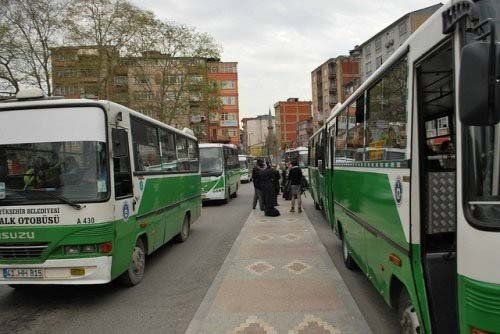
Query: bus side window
x,y
121,164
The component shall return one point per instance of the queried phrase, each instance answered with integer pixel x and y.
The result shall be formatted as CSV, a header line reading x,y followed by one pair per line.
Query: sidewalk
x,y
278,278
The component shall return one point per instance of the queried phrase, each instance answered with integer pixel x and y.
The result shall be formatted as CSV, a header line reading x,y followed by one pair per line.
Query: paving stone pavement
x,y
278,278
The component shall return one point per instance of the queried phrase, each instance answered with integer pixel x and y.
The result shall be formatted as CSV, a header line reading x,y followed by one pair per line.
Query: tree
x,y
170,66
29,28
110,26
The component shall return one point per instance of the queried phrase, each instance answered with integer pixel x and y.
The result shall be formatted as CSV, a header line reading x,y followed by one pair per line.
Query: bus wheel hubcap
x,y
138,261
409,321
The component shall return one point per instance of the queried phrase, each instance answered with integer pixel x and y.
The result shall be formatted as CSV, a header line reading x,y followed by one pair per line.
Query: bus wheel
x,y
316,206
346,255
408,317
186,228
135,271
235,194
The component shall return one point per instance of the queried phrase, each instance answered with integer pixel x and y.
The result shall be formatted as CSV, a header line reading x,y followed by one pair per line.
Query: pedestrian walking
x,y
267,189
295,179
276,183
257,196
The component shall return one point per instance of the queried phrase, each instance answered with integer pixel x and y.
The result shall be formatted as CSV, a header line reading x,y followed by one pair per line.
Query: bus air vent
x,y
22,251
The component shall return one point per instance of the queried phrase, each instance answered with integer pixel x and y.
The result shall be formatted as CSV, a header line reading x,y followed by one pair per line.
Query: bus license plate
x,y
22,273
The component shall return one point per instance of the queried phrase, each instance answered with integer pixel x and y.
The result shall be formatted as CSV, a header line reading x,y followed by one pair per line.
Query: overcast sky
x,y
277,43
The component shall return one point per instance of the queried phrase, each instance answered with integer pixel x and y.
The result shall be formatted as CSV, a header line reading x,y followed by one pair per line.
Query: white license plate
x,y
22,273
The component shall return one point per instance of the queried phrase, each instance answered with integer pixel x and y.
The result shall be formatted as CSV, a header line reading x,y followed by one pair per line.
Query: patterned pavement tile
x,y
292,237
297,267
253,326
260,267
263,237
313,325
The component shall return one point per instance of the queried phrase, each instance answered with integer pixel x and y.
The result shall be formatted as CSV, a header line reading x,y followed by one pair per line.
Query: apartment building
x,y
329,82
288,114
382,45
197,93
224,121
305,130
257,131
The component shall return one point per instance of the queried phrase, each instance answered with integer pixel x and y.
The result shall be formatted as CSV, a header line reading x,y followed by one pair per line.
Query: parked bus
x,y
299,154
88,189
411,172
246,165
220,171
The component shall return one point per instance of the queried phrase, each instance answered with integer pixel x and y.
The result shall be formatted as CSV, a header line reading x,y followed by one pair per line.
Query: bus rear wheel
x,y
346,255
185,230
135,271
408,317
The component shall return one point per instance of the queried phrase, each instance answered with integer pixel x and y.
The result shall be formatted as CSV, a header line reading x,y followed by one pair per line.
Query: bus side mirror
x,y
120,140
479,93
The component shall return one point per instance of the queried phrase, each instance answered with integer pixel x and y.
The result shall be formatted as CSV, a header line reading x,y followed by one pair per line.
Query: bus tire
x,y
408,317
235,194
135,272
185,230
316,205
346,255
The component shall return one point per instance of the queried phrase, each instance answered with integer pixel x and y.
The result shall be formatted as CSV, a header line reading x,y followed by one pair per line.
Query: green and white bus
x,y
220,171
88,189
246,165
411,168
299,154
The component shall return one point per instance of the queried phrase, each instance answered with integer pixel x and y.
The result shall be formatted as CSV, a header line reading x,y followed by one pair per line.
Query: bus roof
x,y
205,145
418,39
14,104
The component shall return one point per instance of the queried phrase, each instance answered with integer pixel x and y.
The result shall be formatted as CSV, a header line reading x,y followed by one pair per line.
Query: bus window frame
x,y
107,143
154,173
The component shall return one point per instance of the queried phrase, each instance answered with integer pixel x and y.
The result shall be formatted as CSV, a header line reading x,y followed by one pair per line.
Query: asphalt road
x,y
177,278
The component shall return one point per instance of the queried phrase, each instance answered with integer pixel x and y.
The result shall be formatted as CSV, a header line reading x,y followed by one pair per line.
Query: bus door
x,y
437,124
321,154
329,181
122,177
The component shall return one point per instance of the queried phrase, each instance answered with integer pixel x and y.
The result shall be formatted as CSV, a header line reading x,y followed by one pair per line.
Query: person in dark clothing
x,y
257,197
276,184
267,189
295,179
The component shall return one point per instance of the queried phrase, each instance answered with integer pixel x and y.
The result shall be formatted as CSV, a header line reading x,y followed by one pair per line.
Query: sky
x,y
277,43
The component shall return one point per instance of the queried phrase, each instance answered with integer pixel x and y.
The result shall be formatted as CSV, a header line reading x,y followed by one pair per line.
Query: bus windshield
x,y
211,161
303,159
36,173
243,163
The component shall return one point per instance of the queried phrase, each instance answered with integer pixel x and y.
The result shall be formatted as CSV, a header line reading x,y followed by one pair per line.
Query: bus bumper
x,y
214,195
95,270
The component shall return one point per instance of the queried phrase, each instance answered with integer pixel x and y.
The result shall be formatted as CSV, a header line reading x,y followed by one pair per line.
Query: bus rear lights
x,y
395,259
106,247
77,271
70,250
88,249
475,330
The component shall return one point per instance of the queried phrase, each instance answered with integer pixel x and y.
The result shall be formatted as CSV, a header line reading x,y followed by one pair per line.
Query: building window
x,y
174,79
386,116
195,96
232,133
368,51
229,100
227,84
143,96
66,90
227,116
378,61
378,45
142,79
403,29
368,68
121,80
196,79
